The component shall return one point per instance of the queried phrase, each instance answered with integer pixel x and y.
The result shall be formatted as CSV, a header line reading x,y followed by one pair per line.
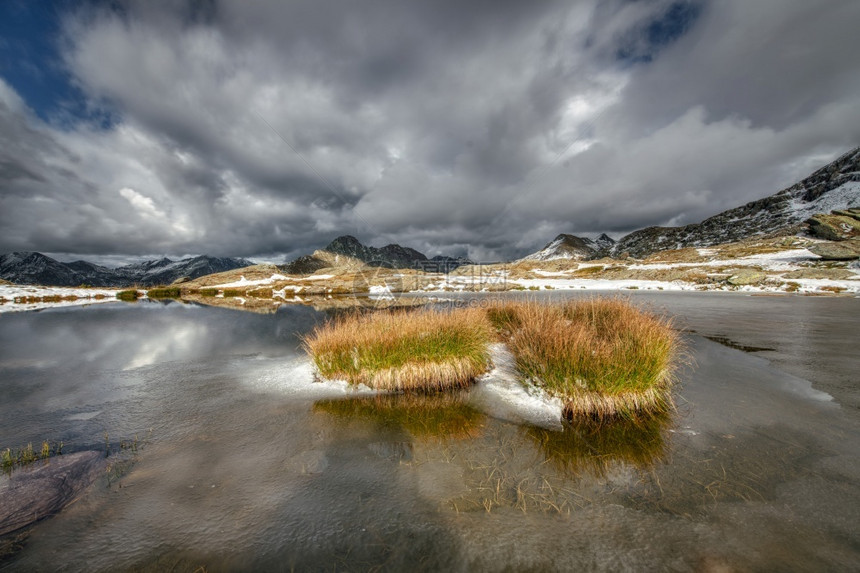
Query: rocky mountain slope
x,y
834,186
390,256
36,268
571,247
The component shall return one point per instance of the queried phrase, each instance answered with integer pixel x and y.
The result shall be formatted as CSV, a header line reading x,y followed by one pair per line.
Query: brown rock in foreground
x,y
45,487
837,251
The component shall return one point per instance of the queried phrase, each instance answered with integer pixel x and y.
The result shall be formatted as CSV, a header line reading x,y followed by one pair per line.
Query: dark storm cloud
x,y
265,128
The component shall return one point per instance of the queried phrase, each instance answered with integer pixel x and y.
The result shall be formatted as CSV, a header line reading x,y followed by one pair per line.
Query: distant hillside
x,y
390,256
834,186
36,268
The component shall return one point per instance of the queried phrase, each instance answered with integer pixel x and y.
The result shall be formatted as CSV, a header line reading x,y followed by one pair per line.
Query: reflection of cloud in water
x,y
175,341
437,415
83,416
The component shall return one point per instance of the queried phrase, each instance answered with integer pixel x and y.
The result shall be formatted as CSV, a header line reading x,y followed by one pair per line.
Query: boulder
x,y
853,212
835,227
747,277
837,251
43,488
813,273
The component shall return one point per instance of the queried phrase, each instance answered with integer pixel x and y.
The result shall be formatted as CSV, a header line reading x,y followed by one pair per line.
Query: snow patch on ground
x,y
847,194
380,292
9,293
243,282
601,284
777,263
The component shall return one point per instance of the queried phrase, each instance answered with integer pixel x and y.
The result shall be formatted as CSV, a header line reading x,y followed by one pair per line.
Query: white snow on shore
x,y
601,284
777,263
8,294
243,282
787,260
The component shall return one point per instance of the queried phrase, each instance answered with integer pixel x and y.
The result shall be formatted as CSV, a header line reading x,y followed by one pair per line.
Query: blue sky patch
x,y
31,63
643,42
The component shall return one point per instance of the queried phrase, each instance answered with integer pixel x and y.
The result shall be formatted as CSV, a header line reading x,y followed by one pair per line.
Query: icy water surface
x,y
246,464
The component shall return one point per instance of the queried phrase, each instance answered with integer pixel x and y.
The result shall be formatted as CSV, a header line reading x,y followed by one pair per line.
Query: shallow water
x,y
247,464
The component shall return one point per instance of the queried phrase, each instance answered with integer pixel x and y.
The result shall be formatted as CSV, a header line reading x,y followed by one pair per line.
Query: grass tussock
x,y
604,357
130,295
400,350
165,292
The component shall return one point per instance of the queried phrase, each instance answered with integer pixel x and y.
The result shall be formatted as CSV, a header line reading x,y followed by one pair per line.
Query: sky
x,y
266,128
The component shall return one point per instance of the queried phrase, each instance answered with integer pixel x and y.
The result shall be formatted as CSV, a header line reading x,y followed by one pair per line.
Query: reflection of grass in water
x,y
502,473
587,446
436,415
505,474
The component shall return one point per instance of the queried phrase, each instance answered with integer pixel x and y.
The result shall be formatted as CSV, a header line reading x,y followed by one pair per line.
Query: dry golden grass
x,y
401,350
604,357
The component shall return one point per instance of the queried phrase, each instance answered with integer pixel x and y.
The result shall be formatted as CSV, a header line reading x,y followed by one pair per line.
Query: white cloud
x,y
144,205
430,124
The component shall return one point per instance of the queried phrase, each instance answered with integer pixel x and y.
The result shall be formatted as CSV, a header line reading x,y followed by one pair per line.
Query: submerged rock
x,y
45,487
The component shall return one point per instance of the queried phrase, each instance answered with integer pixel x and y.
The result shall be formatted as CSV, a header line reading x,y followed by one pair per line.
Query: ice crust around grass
x,y
499,393
296,378
502,394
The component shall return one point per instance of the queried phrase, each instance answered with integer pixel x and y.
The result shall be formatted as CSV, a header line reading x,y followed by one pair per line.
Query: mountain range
x,y
36,268
390,256
834,187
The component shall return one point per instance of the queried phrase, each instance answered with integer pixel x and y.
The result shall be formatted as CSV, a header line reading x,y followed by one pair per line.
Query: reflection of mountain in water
x,y
439,415
587,446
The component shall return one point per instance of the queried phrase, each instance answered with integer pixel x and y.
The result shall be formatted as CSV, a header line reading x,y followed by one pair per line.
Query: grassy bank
x,y
604,357
130,295
401,350
164,292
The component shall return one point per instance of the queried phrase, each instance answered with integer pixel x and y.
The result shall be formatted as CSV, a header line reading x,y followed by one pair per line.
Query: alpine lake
x,y
228,455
